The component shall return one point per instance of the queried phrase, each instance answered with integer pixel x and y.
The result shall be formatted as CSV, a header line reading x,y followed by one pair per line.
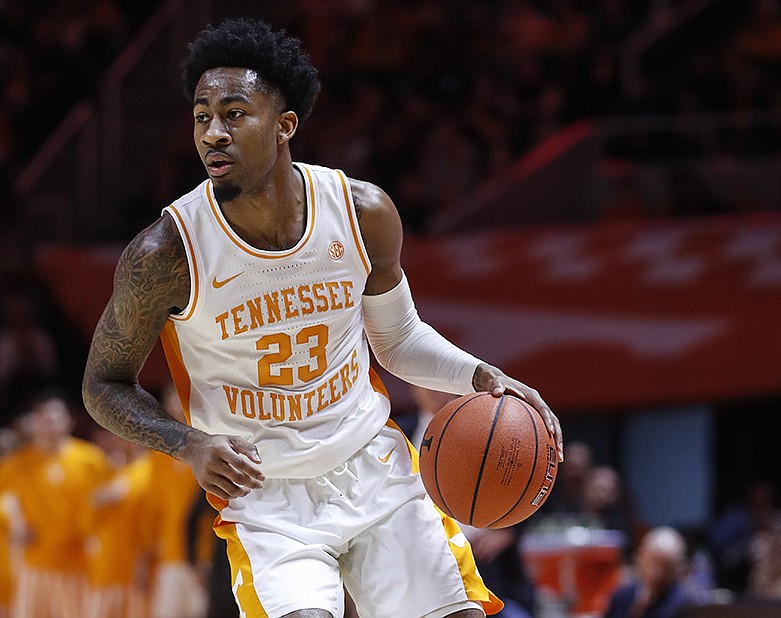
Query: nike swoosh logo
x,y
218,284
387,457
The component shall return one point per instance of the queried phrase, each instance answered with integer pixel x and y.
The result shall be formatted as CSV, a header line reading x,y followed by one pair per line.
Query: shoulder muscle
x,y
151,280
382,234
152,269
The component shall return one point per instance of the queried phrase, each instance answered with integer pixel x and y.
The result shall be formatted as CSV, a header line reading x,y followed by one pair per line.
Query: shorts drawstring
x,y
342,468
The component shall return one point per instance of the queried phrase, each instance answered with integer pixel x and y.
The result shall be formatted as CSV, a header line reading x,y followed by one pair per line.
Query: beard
x,y
226,192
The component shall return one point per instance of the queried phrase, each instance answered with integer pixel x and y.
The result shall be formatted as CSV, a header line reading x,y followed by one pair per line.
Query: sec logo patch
x,y
336,250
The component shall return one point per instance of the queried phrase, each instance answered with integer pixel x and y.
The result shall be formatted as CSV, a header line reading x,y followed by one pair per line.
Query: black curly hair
x,y
277,58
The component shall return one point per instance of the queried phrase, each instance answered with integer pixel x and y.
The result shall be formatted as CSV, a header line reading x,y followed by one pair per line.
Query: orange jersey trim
x,y
377,384
273,255
354,223
195,278
173,354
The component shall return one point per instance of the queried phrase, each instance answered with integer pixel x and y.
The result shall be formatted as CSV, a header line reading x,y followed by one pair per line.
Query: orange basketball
x,y
488,461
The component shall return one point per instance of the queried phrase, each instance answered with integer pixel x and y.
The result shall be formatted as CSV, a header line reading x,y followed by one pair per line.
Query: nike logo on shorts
x,y
387,457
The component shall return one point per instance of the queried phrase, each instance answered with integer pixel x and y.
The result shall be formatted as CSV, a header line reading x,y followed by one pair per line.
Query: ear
x,y
286,127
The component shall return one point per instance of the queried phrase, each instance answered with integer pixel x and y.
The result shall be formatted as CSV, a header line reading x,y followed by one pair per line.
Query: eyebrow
x,y
226,100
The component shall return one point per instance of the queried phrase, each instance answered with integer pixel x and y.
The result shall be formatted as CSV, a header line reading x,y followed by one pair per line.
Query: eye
x,y
201,118
235,114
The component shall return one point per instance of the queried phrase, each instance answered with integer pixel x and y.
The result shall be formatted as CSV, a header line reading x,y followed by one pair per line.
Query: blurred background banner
x,y
613,315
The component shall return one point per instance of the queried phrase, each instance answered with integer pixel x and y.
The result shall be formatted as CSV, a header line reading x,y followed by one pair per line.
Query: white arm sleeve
x,y
411,349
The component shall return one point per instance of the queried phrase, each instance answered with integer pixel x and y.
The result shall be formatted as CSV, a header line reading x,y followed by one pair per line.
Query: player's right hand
x,y
226,466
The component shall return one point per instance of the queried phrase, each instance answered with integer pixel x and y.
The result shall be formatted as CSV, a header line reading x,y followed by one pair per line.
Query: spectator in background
x,y
606,505
733,534
52,478
212,565
764,580
490,115
597,90
9,513
567,494
447,163
427,404
176,592
6,569
656,587
28,357
119,540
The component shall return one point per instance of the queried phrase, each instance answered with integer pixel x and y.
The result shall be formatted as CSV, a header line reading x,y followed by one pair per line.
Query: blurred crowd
x,y
39,347
429,98
53,53
590,551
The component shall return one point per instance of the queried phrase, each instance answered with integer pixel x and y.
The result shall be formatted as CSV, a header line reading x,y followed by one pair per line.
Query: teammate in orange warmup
x,y
120,537
176,591
52,478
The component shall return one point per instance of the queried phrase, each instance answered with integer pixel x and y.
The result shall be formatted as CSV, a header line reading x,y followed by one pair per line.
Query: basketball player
x,y
266,282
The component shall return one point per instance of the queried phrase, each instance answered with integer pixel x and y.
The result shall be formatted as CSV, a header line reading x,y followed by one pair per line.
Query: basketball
x,y
488,461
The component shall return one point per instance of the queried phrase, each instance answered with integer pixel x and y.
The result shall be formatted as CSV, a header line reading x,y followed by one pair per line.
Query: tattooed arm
x,y
151,281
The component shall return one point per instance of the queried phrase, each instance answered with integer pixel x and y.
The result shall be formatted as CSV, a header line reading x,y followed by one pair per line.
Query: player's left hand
x,y
495,381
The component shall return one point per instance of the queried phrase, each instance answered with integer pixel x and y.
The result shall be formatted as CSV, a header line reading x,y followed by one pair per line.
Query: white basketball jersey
x,y
271,345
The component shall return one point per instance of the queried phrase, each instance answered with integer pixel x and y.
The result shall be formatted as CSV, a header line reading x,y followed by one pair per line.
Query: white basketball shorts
x,y
367,524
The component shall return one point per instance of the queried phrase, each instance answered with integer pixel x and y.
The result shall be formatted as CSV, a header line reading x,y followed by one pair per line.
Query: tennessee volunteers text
x,y
285,304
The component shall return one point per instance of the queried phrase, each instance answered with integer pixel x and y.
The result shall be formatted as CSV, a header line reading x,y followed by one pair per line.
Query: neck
x,y
273,216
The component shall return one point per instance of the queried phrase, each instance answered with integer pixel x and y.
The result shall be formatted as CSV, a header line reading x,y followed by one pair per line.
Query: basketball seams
x,y
497,413
463,443
531,413
436,454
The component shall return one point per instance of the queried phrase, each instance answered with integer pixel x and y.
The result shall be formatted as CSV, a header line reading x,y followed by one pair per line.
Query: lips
x,y
218,163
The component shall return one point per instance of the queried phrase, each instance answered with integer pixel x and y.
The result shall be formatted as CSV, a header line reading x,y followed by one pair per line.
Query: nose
x,y
216,133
